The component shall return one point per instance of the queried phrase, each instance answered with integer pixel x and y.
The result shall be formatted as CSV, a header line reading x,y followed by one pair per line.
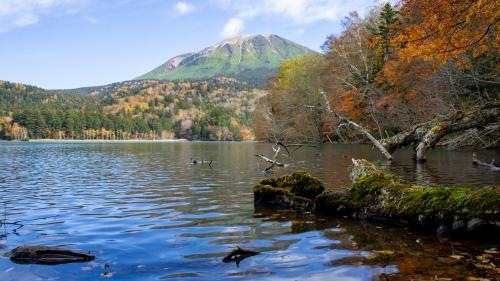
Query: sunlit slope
x,y
250,58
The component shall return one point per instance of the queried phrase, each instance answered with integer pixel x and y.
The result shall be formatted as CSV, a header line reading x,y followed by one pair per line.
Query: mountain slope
x,y
250,58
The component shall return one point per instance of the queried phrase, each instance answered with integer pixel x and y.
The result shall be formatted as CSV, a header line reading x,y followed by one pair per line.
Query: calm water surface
x,y
145,211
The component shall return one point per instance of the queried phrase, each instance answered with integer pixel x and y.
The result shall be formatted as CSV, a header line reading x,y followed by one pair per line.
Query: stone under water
x,y
47,255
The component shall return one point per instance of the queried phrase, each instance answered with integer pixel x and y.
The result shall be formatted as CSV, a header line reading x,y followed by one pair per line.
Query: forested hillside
x,y
394,69
216,109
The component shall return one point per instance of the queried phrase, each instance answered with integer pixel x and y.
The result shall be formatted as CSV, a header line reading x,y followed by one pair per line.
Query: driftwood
x,y
47,255
296,145
270,160
238,254
277,149
491,166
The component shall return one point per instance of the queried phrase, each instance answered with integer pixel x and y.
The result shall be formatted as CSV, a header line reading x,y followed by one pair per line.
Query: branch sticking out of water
x,y
238,254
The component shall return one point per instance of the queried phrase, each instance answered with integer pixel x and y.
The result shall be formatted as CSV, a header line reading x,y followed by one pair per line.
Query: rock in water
x,y
47,255
442,230
475,224
295,191
458,225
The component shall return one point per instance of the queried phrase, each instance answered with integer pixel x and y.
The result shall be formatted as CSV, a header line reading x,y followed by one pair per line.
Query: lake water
x,y
142,209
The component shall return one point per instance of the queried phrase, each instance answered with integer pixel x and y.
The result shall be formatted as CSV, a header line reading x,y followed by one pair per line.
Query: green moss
x,y
329,202
269,191
382,193
299,184
361,168
305,185
441,204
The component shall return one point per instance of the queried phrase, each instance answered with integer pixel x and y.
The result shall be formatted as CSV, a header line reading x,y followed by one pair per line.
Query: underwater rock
x,y
47,255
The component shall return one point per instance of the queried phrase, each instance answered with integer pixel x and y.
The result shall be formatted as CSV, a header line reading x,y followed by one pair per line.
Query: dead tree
x,y
477,162
360,129
427,135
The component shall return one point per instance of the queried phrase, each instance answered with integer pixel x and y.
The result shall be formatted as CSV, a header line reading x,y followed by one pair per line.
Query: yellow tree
x,y
294,101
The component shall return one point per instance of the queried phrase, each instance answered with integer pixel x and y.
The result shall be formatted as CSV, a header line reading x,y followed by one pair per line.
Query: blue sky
x,y
75,43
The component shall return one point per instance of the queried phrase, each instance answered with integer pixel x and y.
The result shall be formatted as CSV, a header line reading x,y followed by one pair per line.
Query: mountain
x,y
250,58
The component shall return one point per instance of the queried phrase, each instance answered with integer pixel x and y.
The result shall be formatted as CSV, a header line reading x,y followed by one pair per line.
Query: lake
x,y
149,214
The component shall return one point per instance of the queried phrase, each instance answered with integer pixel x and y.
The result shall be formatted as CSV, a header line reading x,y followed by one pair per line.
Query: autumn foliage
x,y
400,66
443,30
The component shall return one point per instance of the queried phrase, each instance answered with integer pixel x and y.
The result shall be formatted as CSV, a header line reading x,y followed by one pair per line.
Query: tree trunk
x,y
429,134
359,128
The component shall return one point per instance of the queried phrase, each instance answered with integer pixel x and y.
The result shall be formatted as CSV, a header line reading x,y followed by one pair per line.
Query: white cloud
x,y
301,12
183,8
20,13
233,27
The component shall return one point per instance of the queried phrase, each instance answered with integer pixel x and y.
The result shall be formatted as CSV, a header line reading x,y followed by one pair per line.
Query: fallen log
x,y
427,135
491,166
239,254
382,197
47,255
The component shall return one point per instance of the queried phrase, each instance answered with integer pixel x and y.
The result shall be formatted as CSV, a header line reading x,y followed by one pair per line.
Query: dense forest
x,y
216,109
396,68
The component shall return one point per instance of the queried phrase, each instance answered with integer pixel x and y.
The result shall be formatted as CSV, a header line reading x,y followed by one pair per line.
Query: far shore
x,y
106,141
116,141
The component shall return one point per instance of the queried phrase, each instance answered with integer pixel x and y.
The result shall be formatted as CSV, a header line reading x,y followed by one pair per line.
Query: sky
x,y
62,44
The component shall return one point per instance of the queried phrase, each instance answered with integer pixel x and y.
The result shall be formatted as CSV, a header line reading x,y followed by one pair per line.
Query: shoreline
x,y
115,141
101,141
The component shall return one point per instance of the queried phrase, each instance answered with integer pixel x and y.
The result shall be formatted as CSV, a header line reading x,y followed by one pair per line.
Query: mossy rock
x,y
297,190
299,184
267,192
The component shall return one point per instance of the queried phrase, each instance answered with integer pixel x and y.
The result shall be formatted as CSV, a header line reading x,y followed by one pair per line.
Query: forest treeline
x,y
395,68
216,109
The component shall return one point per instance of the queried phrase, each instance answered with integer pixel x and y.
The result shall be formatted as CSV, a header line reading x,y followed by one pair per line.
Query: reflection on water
x,y
148,214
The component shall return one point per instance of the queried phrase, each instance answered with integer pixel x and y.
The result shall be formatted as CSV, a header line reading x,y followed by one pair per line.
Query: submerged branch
x,y
239,254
